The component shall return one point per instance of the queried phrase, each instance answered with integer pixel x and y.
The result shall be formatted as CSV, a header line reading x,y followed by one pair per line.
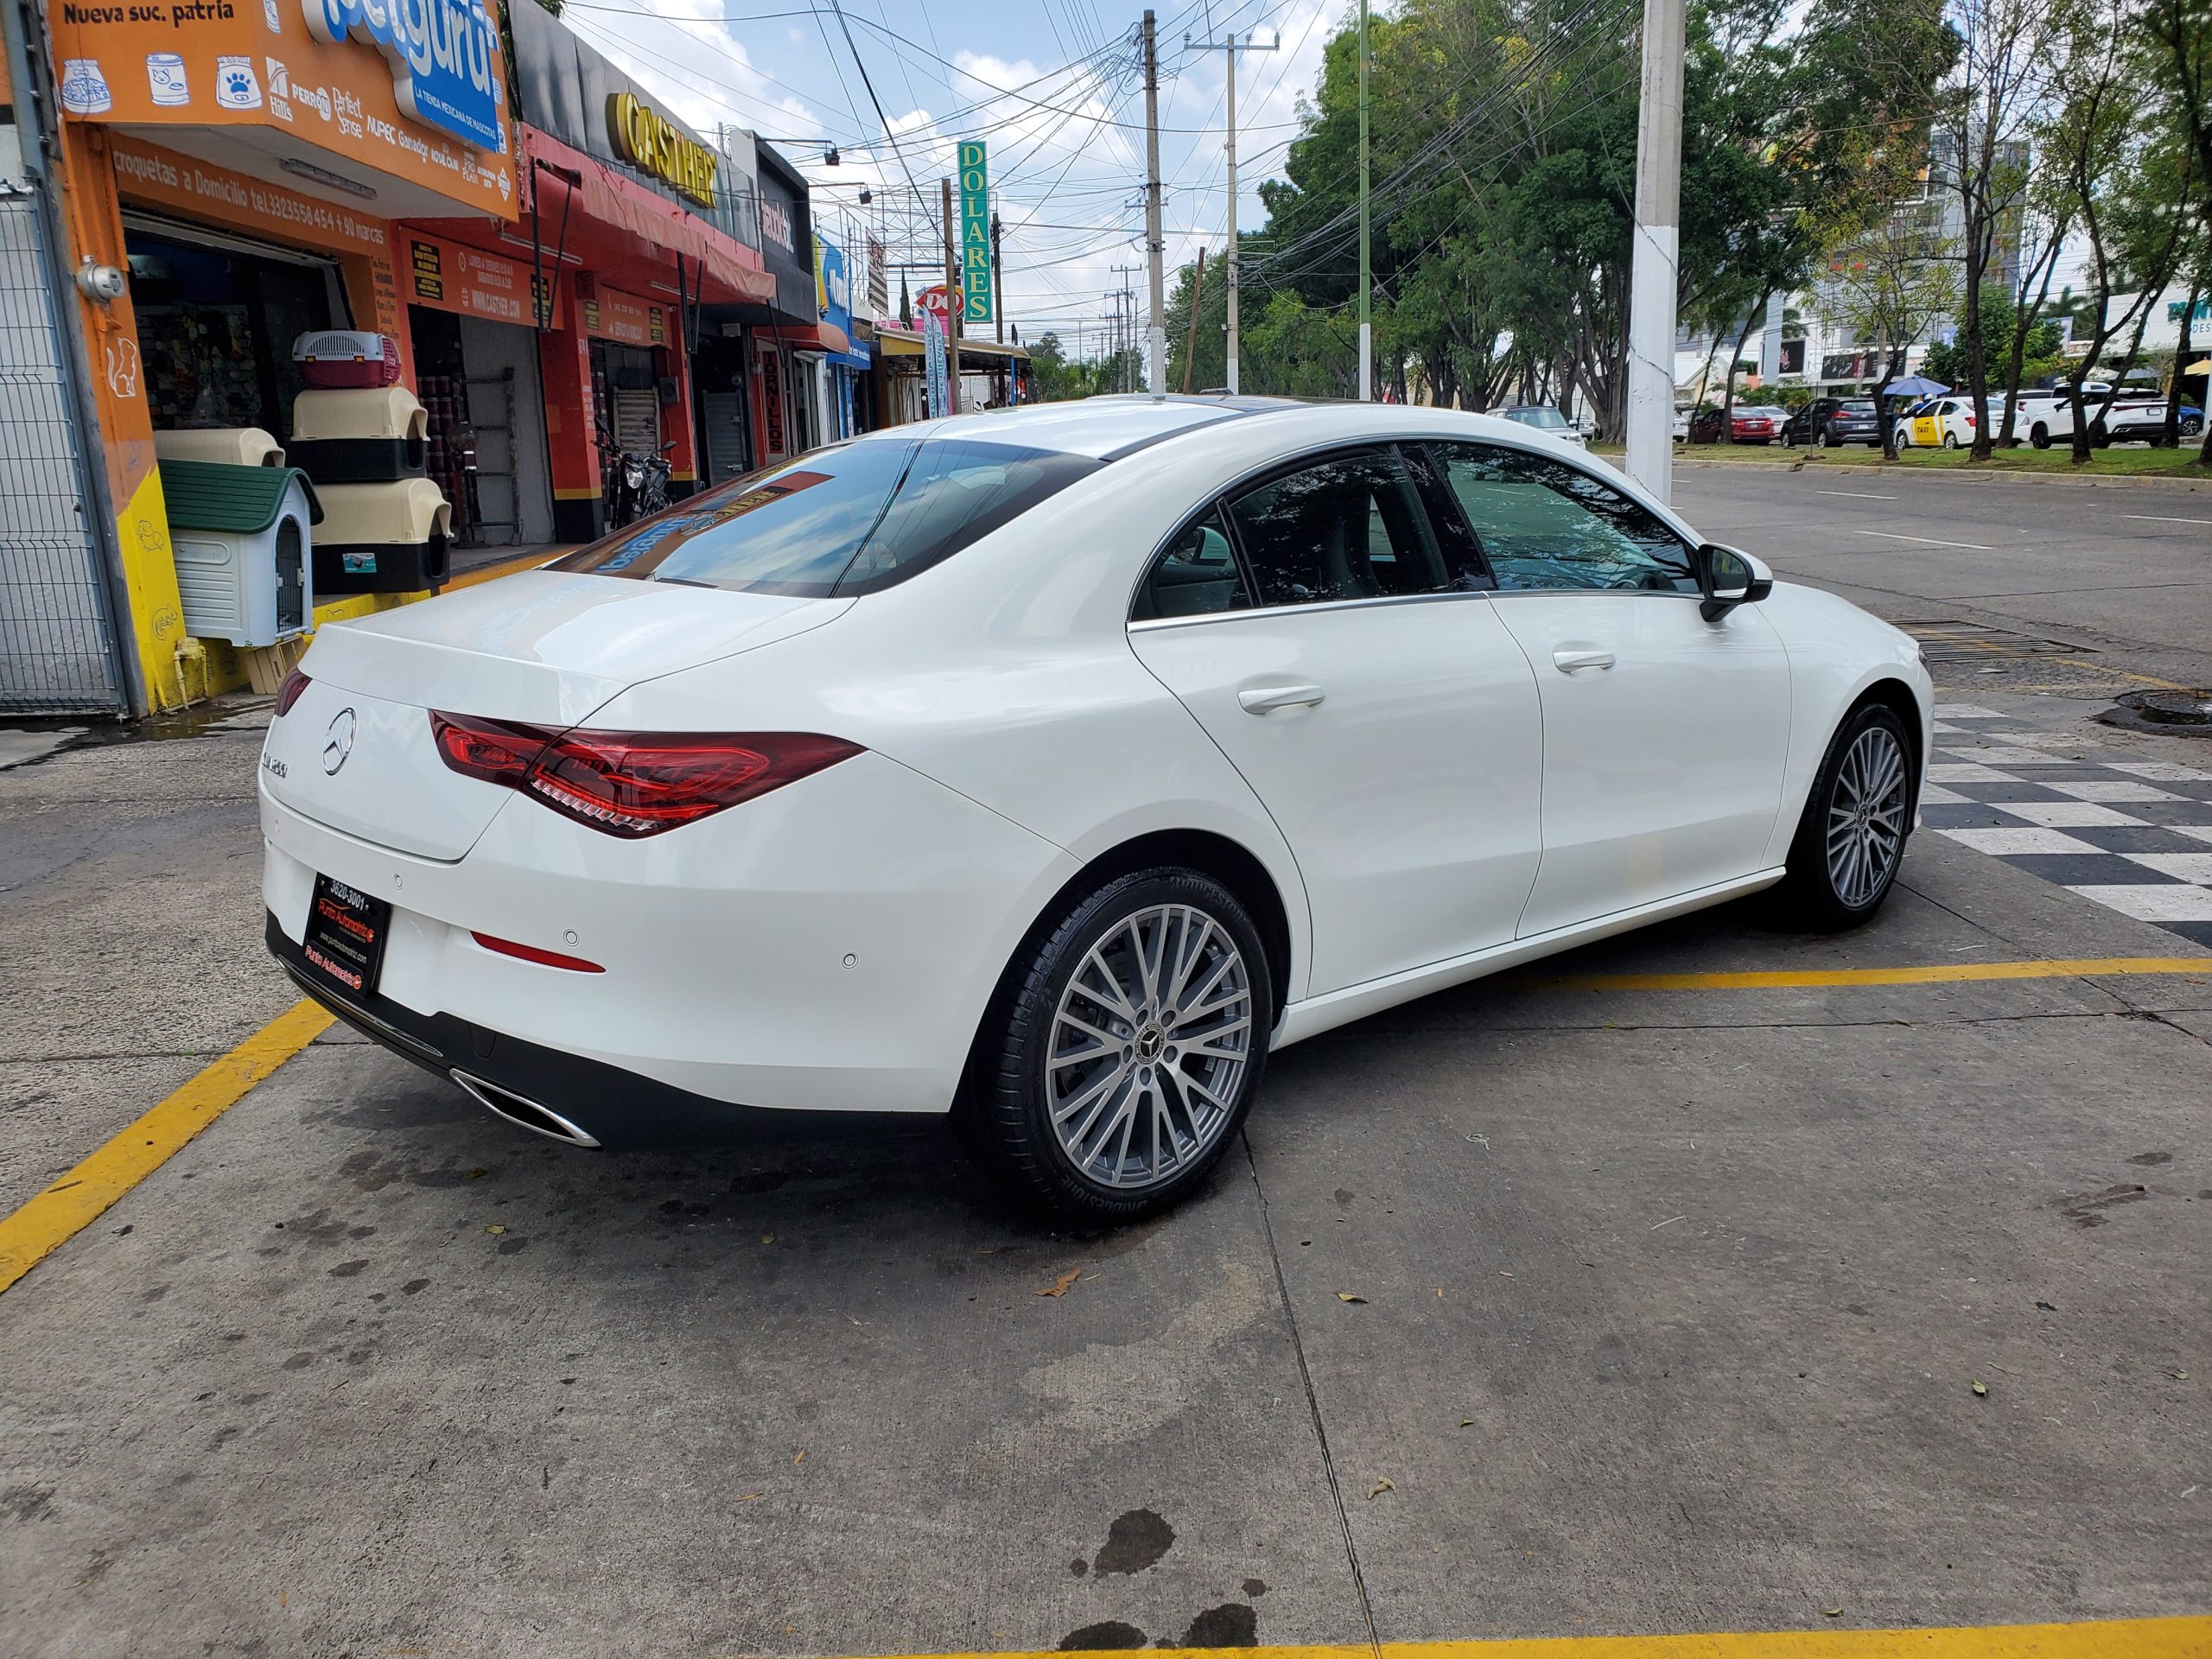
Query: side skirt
x,y
1325,1013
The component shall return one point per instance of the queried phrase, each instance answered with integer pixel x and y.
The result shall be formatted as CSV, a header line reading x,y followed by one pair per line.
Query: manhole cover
x,y
2183,712
1958,642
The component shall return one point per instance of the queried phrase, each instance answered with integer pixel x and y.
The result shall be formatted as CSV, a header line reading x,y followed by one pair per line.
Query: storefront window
x,y
216,327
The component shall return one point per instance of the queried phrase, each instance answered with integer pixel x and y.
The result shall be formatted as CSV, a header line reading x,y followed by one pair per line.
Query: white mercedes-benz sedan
x,y
1053,768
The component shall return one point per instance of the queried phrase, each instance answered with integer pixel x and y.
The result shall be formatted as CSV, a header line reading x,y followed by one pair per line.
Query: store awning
x,y
817,337
897,342
559,178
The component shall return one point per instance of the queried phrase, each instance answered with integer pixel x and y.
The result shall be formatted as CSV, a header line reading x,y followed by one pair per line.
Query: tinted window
x,y
1544,525
1856,406
845,520
1194,576
1348,528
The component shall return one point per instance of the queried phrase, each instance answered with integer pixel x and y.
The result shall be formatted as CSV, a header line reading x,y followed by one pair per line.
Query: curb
x,y
1973,475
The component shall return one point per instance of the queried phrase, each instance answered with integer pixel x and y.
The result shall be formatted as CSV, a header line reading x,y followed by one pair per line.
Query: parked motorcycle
x,y
635,484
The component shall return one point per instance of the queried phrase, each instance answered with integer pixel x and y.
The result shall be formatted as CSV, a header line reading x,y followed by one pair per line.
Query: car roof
x,y
1099,427
1108,428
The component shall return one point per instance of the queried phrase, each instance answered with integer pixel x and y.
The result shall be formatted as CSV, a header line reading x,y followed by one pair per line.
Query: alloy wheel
x,y
1150,1042
1866,817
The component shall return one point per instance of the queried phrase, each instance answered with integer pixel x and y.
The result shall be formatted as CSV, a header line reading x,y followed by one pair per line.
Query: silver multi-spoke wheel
x,y
1149,1045
1866,817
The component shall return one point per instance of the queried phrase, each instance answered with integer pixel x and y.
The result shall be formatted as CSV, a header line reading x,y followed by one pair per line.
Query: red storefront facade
x,y
620,275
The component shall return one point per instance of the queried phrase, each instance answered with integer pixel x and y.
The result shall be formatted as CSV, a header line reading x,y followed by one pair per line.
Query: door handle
x,y
1571,661
1265,700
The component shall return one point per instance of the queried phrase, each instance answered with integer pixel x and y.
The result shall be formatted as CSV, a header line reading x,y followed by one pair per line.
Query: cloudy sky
x,y
1055,88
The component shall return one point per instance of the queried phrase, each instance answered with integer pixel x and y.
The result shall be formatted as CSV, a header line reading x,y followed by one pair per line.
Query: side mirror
x,y
1728,578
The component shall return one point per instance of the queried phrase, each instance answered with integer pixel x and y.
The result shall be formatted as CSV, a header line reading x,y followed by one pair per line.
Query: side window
x,y
1194,576
1546,526
1347,528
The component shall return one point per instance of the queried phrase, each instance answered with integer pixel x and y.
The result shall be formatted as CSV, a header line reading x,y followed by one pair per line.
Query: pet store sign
x,y
444,54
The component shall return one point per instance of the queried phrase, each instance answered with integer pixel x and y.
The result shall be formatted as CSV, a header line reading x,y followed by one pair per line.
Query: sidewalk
x,y
1800,460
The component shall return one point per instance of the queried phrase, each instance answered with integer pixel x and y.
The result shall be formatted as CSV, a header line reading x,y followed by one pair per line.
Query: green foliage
x,y
1060,377
1503,138
1946,360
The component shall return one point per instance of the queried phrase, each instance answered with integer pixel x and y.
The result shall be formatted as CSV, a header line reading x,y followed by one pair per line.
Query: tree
x,y
1896,278
2177,38
1503,135
2124,181
1992,101
2009,329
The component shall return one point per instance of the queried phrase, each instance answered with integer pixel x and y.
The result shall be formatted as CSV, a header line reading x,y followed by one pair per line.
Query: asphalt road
x,y
2124,574
1666,1306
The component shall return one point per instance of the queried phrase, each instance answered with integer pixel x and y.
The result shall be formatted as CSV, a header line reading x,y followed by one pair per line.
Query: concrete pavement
x,y
1666,1307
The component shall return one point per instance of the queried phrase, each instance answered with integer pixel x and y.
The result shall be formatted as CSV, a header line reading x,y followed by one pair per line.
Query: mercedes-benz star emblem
x,y
339,742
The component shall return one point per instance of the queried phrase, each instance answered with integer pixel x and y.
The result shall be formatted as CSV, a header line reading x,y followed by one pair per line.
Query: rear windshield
x,y
1856,406
846,520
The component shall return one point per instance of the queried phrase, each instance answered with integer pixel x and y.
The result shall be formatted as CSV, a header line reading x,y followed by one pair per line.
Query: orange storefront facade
x,y
231,177
234,174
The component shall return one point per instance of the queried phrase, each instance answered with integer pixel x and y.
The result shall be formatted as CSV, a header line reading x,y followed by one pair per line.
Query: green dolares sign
x,y
975,234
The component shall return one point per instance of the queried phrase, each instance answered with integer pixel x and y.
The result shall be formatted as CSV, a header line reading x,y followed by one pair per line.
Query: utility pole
x,y
1230,47
1197,294
1156,329
1652,279
998,281
1366,280
1126,300
953,307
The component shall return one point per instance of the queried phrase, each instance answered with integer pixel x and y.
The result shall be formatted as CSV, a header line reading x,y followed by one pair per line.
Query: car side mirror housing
x,y
1728,577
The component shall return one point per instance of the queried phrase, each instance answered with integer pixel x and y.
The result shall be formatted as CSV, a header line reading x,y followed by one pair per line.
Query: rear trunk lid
x,y
543,648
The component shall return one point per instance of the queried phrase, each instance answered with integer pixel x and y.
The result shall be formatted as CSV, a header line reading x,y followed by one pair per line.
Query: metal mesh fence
x,y
56,649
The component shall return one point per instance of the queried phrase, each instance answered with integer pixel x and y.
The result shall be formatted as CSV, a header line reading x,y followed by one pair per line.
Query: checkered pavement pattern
x,y
2134,835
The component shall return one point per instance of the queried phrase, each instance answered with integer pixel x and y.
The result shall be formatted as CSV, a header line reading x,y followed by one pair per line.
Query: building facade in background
x,y
564,272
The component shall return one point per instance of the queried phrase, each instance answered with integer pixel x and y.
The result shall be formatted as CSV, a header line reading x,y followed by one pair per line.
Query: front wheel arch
x,y
1897,696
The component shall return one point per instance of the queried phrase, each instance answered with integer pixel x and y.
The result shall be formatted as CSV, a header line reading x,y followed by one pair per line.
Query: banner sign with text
x,y
974,233
936,382
453,277
406,93
611,314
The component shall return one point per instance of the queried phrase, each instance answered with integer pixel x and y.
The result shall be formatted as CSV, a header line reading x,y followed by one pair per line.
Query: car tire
x,y
1950,440
1819,437
1844,859
1041,1113
2190,426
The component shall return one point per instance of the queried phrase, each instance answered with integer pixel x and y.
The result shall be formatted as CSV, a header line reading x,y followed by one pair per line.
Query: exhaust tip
x,y
522,1113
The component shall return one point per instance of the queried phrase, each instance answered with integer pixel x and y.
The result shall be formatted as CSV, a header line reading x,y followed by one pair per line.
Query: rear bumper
x,y
827,947
607,1106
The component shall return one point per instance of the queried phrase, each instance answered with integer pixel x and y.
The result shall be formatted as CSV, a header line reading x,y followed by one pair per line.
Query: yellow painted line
x,y
1955,973
2130,1639
505,567
73,1203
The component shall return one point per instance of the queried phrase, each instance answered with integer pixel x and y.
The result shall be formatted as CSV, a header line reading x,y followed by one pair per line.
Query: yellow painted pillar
x,y
154,630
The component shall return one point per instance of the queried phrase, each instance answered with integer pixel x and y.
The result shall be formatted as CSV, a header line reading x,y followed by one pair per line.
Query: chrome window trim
x,y
1264,611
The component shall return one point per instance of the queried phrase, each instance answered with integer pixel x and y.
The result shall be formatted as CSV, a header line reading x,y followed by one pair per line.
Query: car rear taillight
x,y
495,751
632,784
288,693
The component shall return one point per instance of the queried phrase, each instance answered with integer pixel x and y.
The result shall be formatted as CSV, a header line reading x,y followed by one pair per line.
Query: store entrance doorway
x,y
217,319
479,387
